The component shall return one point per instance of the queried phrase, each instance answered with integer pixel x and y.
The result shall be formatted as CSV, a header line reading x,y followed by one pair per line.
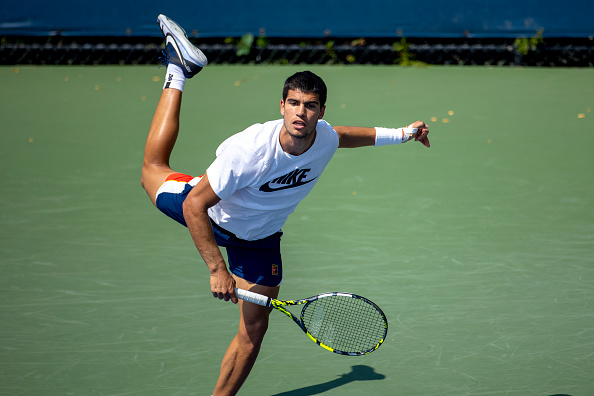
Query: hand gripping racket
x,y
342,323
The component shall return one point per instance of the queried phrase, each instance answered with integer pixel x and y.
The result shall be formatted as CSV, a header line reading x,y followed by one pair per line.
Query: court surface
x,y
480,250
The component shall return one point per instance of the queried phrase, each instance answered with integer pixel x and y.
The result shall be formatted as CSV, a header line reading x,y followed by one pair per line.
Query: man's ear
x,y
322,111
282,107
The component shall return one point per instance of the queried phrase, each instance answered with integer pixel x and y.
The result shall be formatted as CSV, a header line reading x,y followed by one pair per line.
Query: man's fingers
x,y
226,296
234,298
221,296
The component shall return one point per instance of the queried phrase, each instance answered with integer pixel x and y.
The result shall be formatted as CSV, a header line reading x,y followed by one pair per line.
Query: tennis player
x,y
244,198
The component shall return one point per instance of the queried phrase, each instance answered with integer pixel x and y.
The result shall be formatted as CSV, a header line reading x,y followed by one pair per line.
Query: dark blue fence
x,y
317,19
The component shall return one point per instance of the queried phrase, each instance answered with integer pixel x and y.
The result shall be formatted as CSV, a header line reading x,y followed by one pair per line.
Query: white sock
x,y
174,78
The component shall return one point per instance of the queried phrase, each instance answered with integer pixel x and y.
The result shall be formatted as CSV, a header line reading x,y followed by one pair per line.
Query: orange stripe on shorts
x,y
182,177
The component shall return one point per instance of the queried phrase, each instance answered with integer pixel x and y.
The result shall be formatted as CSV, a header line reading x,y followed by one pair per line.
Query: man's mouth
x,y
299,124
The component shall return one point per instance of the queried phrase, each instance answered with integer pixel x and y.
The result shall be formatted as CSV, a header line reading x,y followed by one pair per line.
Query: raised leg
x,y
161,139
183,61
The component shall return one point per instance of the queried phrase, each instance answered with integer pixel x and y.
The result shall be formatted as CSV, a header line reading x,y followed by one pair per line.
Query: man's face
x,y
301,112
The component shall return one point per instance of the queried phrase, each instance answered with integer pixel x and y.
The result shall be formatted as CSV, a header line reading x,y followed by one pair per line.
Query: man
x,y
246,194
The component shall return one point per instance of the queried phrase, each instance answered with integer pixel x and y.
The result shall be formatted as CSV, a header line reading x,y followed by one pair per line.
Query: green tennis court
x,y
480,250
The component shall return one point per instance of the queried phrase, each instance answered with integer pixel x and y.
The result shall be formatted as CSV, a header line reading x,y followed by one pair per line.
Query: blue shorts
x,y
255,261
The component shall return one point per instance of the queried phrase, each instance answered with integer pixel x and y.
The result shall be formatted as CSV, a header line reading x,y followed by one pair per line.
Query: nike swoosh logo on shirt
x,y
266,187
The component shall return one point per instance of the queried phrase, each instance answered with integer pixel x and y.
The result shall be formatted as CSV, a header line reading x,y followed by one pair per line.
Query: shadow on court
x,y
358,373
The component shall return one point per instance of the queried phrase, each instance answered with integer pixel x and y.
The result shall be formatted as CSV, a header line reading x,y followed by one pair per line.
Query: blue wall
x,y
283,18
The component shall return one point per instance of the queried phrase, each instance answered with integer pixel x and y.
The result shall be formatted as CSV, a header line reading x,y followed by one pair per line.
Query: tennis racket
x,y
342,323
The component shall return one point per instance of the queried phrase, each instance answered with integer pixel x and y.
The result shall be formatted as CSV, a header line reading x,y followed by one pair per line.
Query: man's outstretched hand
x,y
421,134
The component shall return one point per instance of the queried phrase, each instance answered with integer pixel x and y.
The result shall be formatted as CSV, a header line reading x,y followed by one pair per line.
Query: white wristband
x,y
385,136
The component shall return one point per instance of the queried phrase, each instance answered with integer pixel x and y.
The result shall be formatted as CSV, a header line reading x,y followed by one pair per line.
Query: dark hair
x,y
306,82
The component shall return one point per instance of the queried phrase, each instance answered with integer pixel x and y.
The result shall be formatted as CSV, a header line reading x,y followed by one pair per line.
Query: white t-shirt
x,y
259,183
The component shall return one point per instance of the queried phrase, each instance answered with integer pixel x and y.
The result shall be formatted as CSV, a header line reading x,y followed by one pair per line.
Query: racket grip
x,y
252,297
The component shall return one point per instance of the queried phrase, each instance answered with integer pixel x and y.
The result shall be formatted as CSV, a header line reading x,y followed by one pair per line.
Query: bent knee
x,y
152,178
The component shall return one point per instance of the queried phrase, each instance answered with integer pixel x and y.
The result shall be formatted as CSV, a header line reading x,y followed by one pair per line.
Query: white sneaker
x,y
179,50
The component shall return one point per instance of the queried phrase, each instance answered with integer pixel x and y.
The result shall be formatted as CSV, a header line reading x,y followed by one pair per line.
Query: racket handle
x,y
252,297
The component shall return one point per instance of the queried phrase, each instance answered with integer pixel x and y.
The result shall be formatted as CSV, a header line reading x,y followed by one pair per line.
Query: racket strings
x,y
345,323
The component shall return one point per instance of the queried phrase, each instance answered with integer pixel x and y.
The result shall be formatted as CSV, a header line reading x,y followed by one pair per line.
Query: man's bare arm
x,y
351,137
195,207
